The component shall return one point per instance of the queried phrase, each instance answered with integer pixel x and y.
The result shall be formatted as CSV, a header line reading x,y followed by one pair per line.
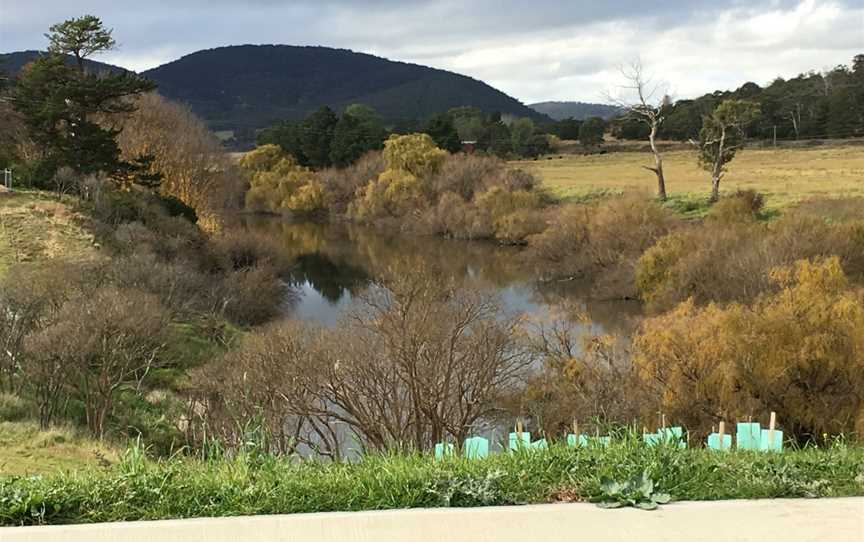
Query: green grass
x,y
27,450
785,176
250,484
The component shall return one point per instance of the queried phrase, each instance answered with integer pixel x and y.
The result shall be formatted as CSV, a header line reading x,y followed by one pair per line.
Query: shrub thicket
x,y
601,242
797,351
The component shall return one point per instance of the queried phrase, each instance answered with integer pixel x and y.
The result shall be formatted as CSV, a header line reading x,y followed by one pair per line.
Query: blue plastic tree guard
x,y
444,449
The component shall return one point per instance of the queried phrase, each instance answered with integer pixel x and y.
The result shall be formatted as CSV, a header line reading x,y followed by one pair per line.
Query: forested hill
x,y
575,110
11,63
250,86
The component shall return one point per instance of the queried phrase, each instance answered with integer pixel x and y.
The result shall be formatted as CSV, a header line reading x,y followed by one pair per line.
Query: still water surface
x,y
333,262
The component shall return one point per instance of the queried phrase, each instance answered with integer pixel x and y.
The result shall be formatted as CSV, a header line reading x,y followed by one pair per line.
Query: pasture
x,y
786,175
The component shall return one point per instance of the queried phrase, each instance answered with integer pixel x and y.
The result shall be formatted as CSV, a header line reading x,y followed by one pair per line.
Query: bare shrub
x,y
584,376
30,297
65,181
742,206
341,185
96,346
602,243
242,250
265,385
730,261
515,180
411,365
250,296
465,175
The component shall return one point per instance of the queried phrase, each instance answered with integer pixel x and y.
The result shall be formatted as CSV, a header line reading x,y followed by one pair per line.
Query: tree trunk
x,y
658,164
715,187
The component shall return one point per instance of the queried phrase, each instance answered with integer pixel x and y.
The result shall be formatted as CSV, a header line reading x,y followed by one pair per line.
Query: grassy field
x,y
252,483
35,226
785,176
27,450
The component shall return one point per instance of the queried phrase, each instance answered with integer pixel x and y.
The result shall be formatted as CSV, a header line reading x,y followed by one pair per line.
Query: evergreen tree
x,y
63,106
316,136
358,131
443,131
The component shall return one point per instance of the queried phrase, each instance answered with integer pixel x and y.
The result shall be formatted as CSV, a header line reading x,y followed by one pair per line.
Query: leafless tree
x,y
646,101
98,345
417,363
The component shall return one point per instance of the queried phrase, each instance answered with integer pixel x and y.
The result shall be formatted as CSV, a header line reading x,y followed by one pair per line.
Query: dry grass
x,y
34,226
785,176
25,450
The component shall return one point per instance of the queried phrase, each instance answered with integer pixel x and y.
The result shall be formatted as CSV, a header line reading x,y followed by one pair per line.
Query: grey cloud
x,y
545,49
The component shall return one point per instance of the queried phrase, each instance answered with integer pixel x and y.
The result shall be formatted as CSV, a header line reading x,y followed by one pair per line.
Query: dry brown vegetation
x,y
798,351
417,363
193,165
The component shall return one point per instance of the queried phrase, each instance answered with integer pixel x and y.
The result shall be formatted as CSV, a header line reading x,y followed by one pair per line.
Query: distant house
x,y
468,147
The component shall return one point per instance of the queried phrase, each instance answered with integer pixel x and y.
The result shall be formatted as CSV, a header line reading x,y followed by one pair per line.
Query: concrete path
x,y
824,520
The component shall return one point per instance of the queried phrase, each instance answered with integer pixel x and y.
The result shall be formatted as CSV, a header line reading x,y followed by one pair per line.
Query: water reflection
x,y
335,261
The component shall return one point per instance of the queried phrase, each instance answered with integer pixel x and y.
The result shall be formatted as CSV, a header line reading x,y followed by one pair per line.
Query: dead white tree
x,y
645,100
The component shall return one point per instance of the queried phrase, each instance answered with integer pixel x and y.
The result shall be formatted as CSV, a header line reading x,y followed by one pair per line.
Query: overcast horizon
x,y
562,51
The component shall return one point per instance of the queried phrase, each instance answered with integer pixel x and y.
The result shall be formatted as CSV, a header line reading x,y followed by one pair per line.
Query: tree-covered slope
x,y
12,63
250,86
575,110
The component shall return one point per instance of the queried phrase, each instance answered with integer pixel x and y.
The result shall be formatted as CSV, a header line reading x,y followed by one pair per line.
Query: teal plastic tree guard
x,y
443,449
652,439
749,436
519,441
776,446
540,444
601,441
476,447
714,442
673,435
574,442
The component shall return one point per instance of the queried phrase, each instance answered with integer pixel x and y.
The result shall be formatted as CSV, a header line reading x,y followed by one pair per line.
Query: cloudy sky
x,y
534,50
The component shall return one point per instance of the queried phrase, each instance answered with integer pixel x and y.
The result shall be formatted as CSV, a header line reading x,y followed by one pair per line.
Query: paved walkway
x,y
824,520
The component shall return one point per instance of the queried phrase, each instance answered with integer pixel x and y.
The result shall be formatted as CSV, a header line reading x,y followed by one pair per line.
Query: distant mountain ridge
x,y
575,110
12,63
247,87
250,86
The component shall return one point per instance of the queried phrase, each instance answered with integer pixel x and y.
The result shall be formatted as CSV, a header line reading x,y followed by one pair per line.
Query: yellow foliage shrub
x,y
416,154
798,351
393,194
278,183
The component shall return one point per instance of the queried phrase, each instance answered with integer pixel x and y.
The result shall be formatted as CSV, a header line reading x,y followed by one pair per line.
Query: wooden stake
x,y
519,428
576,429
722,433
663,421
771,425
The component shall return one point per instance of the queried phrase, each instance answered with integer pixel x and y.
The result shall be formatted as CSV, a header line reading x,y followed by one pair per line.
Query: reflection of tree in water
x,y
336,259
620,317
332,280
